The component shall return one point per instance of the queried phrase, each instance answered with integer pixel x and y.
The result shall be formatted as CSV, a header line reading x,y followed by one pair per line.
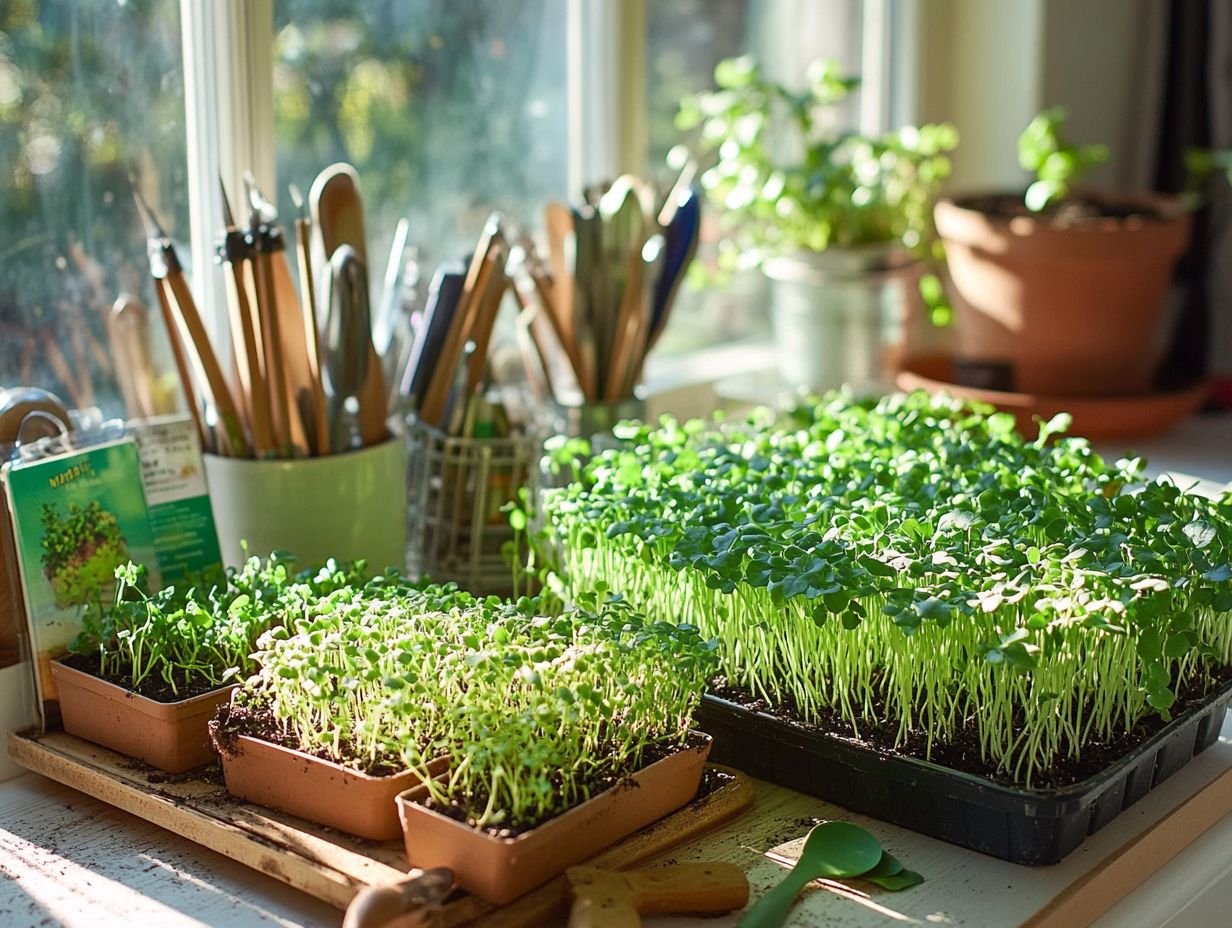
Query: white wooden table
x,y
66,859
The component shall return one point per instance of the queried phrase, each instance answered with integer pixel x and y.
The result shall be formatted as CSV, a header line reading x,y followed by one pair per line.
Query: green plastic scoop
x,y
838,850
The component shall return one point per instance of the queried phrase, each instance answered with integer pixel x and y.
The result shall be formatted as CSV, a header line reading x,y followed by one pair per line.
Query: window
x,y
685,39
89,92
448,108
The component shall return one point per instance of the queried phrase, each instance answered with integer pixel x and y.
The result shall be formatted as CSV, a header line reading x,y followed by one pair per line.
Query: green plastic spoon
x,y
832,849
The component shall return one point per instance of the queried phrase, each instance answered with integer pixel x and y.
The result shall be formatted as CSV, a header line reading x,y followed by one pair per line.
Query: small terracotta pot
x,y
171,736
315,789
501,869
1060,310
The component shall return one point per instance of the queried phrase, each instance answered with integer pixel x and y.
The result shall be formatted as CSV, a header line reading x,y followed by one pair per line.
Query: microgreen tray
x,y
1025,826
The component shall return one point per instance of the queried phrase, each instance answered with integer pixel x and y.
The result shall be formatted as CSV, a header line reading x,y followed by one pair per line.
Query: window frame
x,y
229,100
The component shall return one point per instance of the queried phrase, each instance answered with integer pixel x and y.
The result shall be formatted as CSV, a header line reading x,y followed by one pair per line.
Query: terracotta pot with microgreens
x,y
317,730
512,727
836,220
148,671
920,614
1060,292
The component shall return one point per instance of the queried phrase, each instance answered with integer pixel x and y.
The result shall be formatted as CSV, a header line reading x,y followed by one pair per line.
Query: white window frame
x,y
229,120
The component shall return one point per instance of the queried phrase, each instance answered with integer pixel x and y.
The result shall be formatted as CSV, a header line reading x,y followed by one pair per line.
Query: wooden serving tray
x,y
324,863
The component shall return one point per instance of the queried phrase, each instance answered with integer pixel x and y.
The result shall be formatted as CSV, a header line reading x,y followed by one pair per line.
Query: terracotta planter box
x,y
1055,310
315,789
501,869
171,736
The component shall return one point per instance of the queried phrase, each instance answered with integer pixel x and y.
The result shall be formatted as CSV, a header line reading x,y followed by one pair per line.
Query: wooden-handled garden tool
x,y
233,251
286,348
308,312
413,902
619,899
338,219
189,339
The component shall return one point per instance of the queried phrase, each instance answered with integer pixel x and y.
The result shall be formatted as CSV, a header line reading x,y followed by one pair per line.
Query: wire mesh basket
x,y
457,490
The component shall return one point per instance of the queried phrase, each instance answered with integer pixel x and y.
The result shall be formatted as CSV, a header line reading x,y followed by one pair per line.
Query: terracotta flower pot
x,y
315,789
171,736
501,869
1060,310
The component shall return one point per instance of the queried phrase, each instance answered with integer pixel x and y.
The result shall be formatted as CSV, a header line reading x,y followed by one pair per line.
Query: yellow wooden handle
x,y
613,899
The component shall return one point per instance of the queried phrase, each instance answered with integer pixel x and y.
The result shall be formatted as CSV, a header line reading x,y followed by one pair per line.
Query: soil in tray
x,y
231,721
963,752
599,784
1076,211
156,689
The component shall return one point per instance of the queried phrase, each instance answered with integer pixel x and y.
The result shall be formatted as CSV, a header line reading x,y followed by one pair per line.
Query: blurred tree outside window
x,y
90,91
448,109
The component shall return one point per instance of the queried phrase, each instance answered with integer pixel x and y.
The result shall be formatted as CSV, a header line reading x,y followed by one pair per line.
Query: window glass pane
x,y
447,110
685,39
90,90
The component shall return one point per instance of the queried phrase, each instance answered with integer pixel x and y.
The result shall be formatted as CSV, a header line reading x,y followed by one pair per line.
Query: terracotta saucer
x,y
1096,417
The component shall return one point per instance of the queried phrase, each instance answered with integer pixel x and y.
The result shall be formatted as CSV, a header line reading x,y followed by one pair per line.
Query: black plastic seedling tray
x,y
1025,826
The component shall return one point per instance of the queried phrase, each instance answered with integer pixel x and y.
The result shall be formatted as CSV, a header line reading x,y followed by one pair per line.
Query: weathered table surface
x,y
74,861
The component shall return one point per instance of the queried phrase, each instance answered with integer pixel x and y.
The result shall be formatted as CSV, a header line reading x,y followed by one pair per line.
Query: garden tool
x,y
836,851
618,899
412,901
486,260
348,355
338,219
444,295
308,311
234,253
298,402
189,340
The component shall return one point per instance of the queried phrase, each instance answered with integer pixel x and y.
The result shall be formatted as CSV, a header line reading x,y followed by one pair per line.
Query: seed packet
x,y
175,491
76,517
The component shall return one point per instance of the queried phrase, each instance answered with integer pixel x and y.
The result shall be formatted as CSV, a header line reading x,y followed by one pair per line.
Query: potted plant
x,y
521,735
147,673
835,219
921,615
1060,292
576,733
318,729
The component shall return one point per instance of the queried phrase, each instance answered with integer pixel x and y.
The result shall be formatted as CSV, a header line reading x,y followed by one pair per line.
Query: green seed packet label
x,y
76,517
175,491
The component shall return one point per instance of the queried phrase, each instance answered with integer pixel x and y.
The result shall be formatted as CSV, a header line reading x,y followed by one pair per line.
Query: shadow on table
x,y
74,861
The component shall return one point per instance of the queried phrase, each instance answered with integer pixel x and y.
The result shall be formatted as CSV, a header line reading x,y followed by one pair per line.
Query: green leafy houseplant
x,y
820,188
1056,164
1020,324
912,565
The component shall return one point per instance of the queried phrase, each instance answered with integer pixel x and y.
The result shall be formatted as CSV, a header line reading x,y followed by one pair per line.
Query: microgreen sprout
x,y
203,632
912,560
533,713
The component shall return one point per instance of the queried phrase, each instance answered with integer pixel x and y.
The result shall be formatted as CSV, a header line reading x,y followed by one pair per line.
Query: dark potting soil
x,y
1074,211
158,689
623,780
963,752
231,721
